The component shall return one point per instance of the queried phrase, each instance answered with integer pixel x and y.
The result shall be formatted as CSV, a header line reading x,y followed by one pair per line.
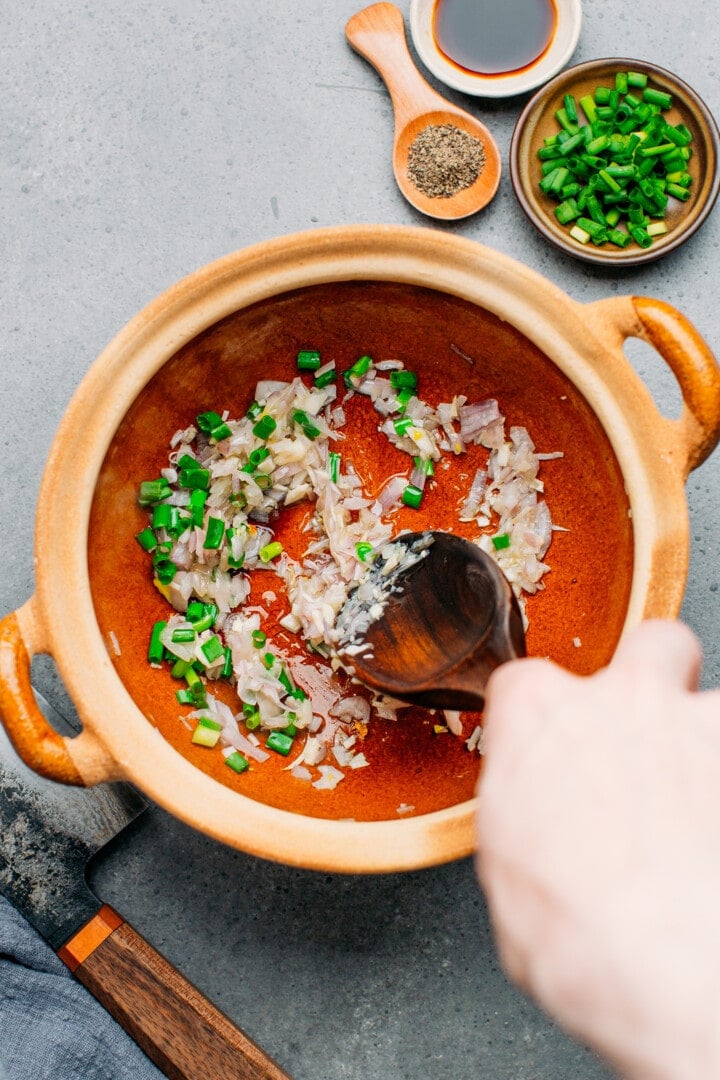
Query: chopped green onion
x,y
334,466
501,541
308,360
214,534
252,720
213,425
183,633
208,420
404,398
637,79
196,478
425,464
622,160
678,192
254,410
146,539
362,550
270,551
153,491
325,378
196,687
570,108
227,668
284,678
567,211
403,380
279,742
310,429
237,762
156,649
202,616
412,496
255,458
198,498
207,733
355,373
164,516
640,235
259,637
165,571
618,237
589,107
402,425
212,649
264,427
657,97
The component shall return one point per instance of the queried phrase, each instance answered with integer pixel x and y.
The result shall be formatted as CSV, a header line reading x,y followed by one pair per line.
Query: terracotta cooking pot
x,y
467,320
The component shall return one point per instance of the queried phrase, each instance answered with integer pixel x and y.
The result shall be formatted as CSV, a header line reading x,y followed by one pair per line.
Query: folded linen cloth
x,y
51,1028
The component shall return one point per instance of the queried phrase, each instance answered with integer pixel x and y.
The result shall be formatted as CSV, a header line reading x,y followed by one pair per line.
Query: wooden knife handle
x,y
179,1029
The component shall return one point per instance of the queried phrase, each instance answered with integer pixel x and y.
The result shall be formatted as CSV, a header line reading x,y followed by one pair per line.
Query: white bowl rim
x,y
569,15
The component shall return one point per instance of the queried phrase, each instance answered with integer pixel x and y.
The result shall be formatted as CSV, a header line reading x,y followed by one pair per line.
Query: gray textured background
x,y
140,141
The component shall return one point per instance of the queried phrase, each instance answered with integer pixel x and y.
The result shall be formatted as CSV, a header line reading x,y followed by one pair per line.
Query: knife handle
x,y
182,1032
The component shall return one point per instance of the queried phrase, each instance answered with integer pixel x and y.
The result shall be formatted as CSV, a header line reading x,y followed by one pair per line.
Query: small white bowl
x,y
555,57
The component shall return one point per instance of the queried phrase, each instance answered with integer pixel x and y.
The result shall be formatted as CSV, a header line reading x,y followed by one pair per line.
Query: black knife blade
x,y
48,832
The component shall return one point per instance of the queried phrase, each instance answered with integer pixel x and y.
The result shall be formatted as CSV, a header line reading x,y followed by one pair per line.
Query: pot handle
x,y
82,760
688,356
695,369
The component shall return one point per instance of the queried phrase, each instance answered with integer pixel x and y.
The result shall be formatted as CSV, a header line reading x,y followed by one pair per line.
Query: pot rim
x,y
640,438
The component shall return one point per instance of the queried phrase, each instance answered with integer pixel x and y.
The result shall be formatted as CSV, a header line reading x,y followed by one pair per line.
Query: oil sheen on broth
x,y
493,37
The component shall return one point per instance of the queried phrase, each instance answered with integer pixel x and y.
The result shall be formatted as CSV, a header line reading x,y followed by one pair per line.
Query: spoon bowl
x,y
448,620
378,33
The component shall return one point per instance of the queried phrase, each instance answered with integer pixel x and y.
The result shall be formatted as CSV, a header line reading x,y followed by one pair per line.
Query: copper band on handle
x,y
75,951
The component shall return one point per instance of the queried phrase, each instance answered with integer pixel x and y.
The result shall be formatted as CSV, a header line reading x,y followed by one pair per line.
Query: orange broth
x,y
454,347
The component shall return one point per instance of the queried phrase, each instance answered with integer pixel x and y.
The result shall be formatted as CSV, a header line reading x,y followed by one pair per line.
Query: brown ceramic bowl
x,y
469,320
537,121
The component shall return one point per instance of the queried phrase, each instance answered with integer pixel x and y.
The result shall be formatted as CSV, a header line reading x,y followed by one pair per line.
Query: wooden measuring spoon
x,y
378,33
449,620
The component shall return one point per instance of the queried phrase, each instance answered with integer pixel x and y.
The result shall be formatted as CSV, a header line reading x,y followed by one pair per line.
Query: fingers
x,y
668,650
519,693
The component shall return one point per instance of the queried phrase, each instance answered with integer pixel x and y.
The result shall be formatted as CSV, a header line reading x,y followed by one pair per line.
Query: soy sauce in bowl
x,y
487,37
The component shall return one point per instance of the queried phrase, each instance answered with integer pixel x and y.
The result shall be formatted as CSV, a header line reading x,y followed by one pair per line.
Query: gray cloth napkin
x,y
51,1028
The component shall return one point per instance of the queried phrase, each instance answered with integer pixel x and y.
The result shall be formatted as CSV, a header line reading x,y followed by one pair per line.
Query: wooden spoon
x,y
449,621
378,33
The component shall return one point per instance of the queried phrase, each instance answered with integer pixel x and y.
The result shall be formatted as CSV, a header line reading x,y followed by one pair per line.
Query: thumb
x,y
668,649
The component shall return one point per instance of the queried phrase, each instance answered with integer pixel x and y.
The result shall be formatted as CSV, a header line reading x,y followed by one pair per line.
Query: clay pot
x,y
468,320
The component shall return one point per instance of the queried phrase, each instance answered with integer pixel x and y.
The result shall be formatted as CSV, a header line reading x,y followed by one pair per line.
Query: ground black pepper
x,y
444,160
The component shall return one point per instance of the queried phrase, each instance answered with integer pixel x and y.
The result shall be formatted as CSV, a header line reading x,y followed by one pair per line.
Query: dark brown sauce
x,y
487,37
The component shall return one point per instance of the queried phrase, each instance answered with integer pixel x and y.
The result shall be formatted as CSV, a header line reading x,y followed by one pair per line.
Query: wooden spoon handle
x,y
378,33
179,1029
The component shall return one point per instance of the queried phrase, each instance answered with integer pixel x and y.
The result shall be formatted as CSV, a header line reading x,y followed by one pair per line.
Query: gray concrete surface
x,y
139,141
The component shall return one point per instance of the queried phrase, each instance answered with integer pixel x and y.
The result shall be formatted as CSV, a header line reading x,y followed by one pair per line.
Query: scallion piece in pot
x,y
237,762
279,742
207,733
214,534
308,360
270,551
156,649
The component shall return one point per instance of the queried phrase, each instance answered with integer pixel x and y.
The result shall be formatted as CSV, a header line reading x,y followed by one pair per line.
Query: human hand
x,y
599,849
